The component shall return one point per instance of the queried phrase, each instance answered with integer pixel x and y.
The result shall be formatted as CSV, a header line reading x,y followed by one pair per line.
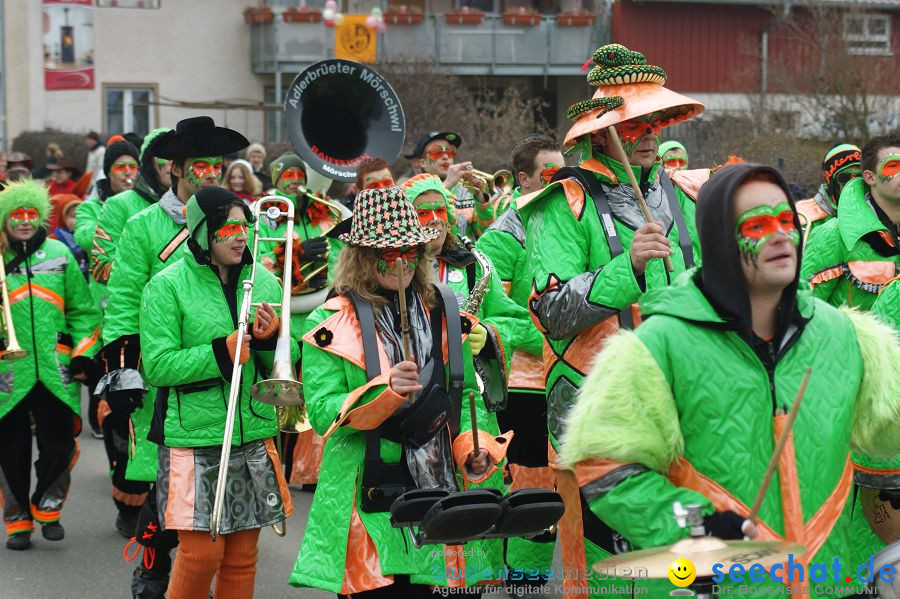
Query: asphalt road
x,y
88,563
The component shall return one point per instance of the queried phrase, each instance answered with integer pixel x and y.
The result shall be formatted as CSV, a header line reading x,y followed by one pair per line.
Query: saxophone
x,y
472,305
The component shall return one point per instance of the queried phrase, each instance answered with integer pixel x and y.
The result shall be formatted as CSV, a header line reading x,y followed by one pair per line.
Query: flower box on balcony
x,y
464,17
301,15
403,18
575,19
519,19
258,15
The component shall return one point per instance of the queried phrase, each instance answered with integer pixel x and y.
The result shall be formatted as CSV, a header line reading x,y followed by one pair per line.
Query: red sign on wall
x,y
68,44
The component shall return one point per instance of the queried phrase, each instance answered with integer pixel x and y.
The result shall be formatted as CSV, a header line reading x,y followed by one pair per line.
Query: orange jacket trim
x,y
811,210
39,291
496,447
828,274
368,416
871,271
526,372
876,471
591,469
86,343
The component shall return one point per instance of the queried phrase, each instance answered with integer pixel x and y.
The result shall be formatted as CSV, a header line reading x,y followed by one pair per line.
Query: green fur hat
x,y
421,183
25,193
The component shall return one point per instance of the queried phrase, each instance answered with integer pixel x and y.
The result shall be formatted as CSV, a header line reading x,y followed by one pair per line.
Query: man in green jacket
x,y
56,323
592,254
673,155
535,161
151,240
151,182
840,166
689,407
850,258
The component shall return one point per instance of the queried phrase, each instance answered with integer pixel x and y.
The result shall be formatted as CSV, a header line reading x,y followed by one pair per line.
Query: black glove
x,y
81,365
320,281
313,248
125,401
724,525
890,496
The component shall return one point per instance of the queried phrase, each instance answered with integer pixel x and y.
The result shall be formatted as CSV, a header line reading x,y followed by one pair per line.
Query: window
x,y
868,34
129,109
128,3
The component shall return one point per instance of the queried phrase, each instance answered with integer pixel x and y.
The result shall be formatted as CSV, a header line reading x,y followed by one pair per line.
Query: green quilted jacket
x,y
887,306
86,216
55,319
683,393
579,289
183,309
330,373
840,260
115,213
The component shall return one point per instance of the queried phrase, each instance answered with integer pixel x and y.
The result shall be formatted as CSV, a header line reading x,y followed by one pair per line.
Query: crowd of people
x,y
630,332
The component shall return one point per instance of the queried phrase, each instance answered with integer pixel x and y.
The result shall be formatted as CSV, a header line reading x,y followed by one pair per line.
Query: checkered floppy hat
x,y
384,218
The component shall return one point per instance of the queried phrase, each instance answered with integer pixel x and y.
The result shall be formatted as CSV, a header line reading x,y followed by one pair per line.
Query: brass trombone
x,y
501,181
13,350
282,389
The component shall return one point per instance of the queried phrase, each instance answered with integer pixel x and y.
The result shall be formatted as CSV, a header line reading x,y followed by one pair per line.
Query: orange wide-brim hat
x,y
640,99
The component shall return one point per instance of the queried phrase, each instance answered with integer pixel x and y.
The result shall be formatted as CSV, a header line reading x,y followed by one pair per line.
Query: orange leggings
x,y
231,559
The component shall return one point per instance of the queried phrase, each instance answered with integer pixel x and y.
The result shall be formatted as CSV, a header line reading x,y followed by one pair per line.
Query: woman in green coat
x,y
350,547
57,324
189,316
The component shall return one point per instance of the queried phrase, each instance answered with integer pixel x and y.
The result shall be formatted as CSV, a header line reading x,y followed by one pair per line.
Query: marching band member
x,y
374,173
505,326
350,547
887,306
189,312
840,166
435,154
592,254
711,375
849,258
673,155
535,161
311,250
151,240
57,323
151,181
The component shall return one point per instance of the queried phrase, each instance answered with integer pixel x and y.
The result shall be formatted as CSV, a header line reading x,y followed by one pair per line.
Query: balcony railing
x,y
488,48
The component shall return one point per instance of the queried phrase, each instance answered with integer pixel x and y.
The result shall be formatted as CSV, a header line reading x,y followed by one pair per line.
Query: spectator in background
x,y
256,154
240,180
2,167
63,178
95,150
18,166
54,154
65,207
227,159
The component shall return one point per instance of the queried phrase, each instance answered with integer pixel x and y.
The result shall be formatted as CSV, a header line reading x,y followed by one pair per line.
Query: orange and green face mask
x,y
202,168
233,227
383,183
21,216
430,211
548,172
759,224
388,258
889,168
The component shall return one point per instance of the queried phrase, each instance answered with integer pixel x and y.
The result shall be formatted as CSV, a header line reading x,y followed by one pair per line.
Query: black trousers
x,y
55,427
128,495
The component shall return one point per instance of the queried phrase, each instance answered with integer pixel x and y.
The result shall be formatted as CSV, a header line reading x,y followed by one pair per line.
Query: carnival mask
x,y
889,168
21,216
124,167
431,211
437,151
388,258
383,183
231,228
759,224
548,172
202,168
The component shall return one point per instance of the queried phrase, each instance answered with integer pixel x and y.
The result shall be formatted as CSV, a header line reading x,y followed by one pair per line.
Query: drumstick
x,y
782,441
613,136
475,447
404,317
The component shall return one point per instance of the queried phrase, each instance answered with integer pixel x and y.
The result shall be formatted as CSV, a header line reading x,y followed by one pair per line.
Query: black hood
x,y
721,278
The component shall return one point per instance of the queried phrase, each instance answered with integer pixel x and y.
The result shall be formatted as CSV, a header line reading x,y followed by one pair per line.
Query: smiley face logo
x,y
682,572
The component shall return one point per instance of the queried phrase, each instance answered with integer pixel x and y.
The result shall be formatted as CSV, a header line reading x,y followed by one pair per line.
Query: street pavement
x,y
89,563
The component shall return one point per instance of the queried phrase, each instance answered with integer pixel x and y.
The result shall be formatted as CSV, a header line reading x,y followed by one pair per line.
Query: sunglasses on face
x,y
126,166
548,173
293,173
845,177
766,225
435,153
384,183
391,255
203,169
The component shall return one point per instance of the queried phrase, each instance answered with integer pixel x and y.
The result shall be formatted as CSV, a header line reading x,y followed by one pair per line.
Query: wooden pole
x,y
782,441
475,446
404,317
613,137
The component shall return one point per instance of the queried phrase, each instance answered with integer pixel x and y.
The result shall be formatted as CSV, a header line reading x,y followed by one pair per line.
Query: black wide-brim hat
x,y
197,136
429,137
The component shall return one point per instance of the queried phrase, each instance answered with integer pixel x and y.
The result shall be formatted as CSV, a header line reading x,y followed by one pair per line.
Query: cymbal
x,y
704,553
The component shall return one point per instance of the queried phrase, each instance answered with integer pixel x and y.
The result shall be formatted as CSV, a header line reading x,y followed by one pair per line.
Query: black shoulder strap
x,y
454,340
684,237
366,318
592,186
